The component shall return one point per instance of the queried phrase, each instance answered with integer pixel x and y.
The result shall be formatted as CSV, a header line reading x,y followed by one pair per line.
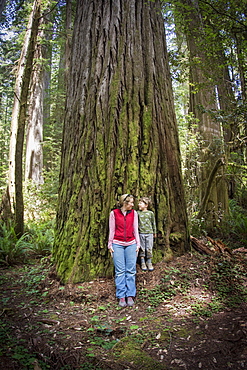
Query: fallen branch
x,y
49,321
219,246
240,250
200,247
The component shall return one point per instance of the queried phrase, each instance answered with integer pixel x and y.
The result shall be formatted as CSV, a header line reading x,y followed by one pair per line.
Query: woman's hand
x,y
111,251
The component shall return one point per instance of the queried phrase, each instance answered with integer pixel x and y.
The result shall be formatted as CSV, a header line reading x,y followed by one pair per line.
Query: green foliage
x,y
41,201
41,238
12,249
235,224
200,309
15,349
237,169
88,366
225,282
11,39
232,225
228,283
220,39
228,280
202,286
105,343
36,242
130,350
169,287
40,212
32,277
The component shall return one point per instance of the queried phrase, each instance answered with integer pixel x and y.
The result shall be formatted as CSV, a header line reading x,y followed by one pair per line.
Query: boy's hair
x,y
146,200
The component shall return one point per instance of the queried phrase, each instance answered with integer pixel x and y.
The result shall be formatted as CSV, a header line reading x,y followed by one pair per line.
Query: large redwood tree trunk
x,y
120,134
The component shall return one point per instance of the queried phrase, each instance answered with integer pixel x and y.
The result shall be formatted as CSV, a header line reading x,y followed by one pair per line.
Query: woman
x,y
124,244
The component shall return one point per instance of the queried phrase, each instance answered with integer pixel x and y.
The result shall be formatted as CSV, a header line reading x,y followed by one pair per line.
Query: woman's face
x,y
128,206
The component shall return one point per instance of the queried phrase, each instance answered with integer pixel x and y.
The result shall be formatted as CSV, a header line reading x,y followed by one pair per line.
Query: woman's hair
x,y
146,200
125,198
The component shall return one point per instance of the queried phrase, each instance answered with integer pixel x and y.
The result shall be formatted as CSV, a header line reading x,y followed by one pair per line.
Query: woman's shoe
x,y
122,302
130,301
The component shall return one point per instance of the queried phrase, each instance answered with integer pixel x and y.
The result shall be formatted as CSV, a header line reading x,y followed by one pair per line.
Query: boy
x,y
147,232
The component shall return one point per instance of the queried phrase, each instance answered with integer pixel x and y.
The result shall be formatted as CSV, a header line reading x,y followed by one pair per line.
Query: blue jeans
x,y
124,259
147,241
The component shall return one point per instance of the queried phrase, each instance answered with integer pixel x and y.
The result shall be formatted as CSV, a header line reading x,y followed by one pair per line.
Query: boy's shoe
x,y
130,301
150,266
122,302
143,266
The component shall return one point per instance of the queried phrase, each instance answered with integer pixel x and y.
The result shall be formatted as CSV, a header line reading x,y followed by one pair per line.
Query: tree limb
x,y
220,162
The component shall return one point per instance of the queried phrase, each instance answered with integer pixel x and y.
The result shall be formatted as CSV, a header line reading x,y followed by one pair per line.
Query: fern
x,y
12,249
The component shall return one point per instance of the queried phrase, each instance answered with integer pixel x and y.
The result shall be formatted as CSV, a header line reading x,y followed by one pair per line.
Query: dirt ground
x,y
45,325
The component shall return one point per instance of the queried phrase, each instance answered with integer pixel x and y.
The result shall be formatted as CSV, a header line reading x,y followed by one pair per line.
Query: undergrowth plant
x,y
12,249
41,236
169,287
36,242
236,223
228,279
16,350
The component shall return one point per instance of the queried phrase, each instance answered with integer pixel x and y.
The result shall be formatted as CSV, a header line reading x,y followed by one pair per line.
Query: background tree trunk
x,y
203,105
68,28
2,5
34,135
120,134
19,117
53,128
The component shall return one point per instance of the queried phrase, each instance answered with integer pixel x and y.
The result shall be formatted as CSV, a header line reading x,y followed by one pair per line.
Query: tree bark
x,y
241,64
120,134
227,100
203,105
35,121
220,162
19,117
68,29
2,5
56,118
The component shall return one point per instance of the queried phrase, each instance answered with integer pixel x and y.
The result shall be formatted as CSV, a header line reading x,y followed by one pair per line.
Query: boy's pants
x,y
146,241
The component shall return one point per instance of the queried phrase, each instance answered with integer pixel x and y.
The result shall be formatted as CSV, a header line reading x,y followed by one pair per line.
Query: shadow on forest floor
x,y
189,313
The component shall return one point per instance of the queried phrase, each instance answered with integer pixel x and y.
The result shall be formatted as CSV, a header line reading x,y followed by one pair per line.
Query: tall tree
x,y
19,117
120,133
212,187
34,132
59,74
39,97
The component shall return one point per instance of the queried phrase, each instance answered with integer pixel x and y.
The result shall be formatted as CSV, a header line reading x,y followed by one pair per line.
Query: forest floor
x,y
190,313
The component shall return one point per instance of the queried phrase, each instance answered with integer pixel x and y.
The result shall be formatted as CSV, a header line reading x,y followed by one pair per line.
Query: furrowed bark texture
x,y
35,122
19,117
120,133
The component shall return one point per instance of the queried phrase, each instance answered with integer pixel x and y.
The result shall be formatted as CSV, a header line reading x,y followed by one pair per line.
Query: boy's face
x,y
142,206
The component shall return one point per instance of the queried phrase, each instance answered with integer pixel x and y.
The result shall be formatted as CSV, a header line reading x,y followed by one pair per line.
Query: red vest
x,y
124,225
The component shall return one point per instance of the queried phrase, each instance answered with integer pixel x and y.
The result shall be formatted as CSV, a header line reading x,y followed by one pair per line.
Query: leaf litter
x,y
181,320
